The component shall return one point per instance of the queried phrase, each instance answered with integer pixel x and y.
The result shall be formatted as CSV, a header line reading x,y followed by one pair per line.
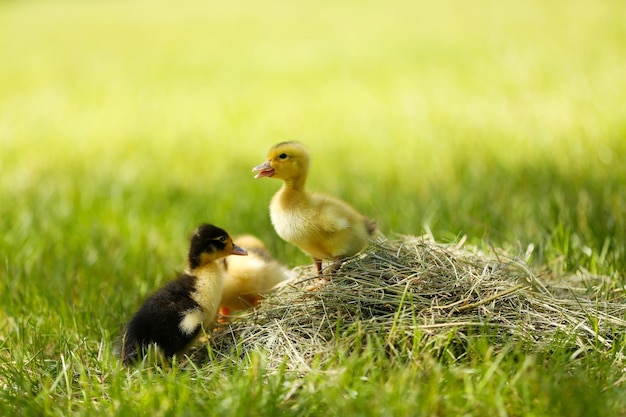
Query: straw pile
x,y
419,295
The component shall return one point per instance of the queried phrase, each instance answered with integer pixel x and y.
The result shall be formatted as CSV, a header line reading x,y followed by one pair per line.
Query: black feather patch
x,y
157,321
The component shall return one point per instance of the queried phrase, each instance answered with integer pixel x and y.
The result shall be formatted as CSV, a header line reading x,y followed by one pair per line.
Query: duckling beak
x,y
265,170
237,250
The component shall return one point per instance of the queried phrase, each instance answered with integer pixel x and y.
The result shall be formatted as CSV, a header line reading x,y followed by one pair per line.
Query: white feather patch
x,y
190,321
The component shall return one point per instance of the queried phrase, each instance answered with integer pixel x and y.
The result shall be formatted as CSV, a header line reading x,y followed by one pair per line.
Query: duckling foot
x,y
223,315
318,266
331,269
319,283
322,277
334,267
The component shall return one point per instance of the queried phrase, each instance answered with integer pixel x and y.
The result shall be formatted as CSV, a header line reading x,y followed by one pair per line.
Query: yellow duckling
x,y
172,318
322,226
249,277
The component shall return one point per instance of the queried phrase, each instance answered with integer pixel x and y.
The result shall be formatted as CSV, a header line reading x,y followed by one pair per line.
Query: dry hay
x,y
415,286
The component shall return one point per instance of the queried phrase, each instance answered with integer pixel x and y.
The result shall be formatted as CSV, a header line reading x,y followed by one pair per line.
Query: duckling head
x,y
210,243
287,161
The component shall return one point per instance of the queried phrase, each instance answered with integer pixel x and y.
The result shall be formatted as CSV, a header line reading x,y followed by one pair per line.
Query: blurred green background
x,y
124,124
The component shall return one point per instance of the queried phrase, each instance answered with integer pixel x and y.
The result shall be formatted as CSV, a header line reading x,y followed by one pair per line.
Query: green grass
x,y
125,124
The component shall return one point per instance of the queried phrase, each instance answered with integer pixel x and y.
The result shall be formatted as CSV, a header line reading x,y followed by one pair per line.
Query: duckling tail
x,y
370,225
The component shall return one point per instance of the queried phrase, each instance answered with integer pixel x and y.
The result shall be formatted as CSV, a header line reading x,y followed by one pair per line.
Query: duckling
x,y
172,318
322,226
247,279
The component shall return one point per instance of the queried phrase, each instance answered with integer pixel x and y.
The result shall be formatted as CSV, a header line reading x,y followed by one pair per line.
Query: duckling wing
x,y
333,214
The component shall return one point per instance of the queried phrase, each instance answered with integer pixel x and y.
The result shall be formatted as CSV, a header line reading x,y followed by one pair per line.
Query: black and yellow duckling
x,y
322,226
249,278
173,317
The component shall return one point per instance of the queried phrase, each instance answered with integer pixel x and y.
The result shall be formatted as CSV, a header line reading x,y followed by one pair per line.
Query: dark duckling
x,y
173,317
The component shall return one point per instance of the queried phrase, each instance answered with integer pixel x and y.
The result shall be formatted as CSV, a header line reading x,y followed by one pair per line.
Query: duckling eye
x,y
282,156
222,238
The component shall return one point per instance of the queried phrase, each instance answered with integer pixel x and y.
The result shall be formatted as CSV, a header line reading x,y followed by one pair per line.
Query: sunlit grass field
x,y
125,124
